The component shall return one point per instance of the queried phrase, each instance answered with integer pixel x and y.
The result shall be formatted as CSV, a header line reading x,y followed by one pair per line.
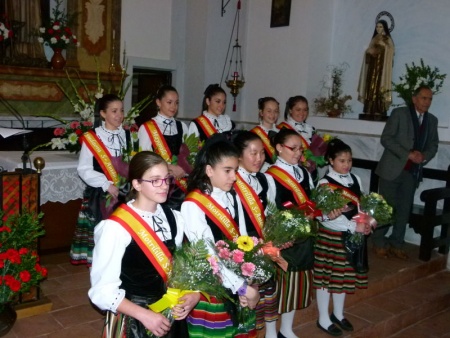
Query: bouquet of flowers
x,y
188,152
416,76
5,30
191,271
284,226
19,261
327,199
313,157
57,32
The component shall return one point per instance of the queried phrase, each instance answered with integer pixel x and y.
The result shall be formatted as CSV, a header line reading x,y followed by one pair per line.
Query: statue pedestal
x,y
372,117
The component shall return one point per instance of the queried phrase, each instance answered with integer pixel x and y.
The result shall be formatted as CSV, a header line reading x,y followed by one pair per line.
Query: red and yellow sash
x,y
265,139
286,125
251,203
346,193
287,181
146,238
101,154
215,212
206,126
161,147
158,141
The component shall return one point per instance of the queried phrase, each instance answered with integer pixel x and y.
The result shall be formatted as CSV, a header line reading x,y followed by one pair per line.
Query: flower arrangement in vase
x,y
416,76
58,35
334,104
5,30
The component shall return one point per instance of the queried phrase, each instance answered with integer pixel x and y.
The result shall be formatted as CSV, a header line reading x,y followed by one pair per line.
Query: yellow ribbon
x,y
170,299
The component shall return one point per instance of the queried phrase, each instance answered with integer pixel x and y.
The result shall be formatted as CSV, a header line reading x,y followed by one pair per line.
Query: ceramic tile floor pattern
x,y
73,316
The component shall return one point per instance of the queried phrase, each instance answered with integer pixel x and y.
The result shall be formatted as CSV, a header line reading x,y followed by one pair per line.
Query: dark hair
x,y
262,102
282,136
336,147
211,154
139,164
291,102
385,27
102,104
163,90
209,92
418,89
242,139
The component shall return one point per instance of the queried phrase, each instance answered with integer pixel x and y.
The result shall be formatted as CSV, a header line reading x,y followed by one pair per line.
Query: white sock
x,y
271,329
287,320
323,301
338,305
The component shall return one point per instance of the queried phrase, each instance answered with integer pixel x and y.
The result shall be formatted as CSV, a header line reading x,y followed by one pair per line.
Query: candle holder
x,y
39,164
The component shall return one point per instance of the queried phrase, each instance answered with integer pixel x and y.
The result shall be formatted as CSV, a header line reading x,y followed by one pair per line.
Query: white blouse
x,y
115,142
303,128
253,181
111,240
222,123
167,126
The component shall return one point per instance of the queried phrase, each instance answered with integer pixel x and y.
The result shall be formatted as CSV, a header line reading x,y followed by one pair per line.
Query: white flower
x,y
42,29
78,44
73,138
56,27
134,136
86,113
74,36
41,40
99,93
53,40
58,143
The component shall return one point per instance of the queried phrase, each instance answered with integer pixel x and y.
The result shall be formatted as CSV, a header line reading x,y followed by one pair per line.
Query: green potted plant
x,y
335,103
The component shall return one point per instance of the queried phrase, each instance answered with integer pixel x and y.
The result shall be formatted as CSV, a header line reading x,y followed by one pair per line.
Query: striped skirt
x,y
294,289
267,308
332,270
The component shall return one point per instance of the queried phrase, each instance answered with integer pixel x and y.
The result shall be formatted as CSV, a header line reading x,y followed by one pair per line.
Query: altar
x,y
61,191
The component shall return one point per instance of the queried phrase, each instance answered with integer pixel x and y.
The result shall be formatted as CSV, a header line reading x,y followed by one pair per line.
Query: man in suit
x,y
410,140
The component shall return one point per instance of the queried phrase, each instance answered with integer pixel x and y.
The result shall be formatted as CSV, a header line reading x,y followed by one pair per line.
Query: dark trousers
x,y
399,193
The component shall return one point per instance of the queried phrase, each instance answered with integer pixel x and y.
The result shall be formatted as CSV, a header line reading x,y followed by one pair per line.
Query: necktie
x,y
297,174
343,176
420,119
157,222
168,124
216,124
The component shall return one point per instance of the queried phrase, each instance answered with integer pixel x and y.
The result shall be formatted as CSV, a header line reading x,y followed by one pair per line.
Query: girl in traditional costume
x,y
102,168
253,189
269,110
132,255
214,212
213,120
164,135
333,272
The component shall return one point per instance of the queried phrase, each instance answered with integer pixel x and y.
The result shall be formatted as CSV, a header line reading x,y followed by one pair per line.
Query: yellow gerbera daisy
x,y
245,243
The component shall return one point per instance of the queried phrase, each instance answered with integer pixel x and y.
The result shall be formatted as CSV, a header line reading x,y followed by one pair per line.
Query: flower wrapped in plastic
x,y
188,152
284,226
191,272
313,157
326,198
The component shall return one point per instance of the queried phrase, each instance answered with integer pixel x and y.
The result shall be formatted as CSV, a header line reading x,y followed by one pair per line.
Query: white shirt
x,y
166,125
341,223
222,123
197,228
303,128
273,128
111,240
115,141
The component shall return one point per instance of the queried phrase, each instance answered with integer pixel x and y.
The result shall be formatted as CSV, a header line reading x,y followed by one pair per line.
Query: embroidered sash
x,y
206,126
215,212
286,125
251,203
287,181
346,193
158,141
146,238
101,154
265,139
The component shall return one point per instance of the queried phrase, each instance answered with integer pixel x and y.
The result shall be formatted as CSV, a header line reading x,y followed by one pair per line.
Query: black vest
x,y
251,230
354,188
284,195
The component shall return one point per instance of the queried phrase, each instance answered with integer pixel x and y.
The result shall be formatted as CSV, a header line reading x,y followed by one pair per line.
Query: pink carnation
x,y
255,240
224,253
248,269
213,262
74,124
221,244
59,131
238,256
87,123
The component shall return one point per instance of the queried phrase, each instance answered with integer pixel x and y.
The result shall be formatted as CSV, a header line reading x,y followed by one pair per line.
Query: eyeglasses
x,y
294,149
158,182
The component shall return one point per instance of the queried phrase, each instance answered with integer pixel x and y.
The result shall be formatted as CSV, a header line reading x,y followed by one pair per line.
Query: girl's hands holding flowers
x,y
186,304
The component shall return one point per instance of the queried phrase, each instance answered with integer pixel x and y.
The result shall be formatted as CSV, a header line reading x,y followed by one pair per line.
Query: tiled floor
x,y
73,316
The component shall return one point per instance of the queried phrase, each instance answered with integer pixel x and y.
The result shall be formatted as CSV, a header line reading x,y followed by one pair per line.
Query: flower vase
x,y
8,317
334,113
58,61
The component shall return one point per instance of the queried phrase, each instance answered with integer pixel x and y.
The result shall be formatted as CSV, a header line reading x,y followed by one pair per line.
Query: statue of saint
x,y
375,80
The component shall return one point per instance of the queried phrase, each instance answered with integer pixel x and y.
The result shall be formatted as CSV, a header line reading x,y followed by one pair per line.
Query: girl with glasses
x,y
214,212
132,255
164,135
100,166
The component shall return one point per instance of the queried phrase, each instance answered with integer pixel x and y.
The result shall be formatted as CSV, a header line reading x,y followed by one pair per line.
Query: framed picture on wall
x,y
280,14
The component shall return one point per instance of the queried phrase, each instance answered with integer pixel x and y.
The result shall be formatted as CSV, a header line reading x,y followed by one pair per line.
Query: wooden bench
x,y
424,218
